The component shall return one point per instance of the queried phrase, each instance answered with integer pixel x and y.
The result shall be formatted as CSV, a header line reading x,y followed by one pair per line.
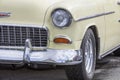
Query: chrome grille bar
x,y
17,35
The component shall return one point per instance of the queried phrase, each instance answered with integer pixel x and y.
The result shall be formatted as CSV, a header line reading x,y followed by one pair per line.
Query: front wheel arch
x,y
97,38
84,70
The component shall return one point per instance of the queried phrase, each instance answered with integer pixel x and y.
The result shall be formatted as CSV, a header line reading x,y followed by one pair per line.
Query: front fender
x,y
78,9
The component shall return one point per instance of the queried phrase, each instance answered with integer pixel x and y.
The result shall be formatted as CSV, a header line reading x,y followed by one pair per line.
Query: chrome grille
x,y
17,35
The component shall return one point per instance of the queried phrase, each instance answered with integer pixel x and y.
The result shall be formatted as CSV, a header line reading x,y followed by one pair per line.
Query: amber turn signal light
x,y
62,40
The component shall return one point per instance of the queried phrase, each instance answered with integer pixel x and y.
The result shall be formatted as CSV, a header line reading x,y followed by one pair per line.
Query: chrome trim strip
x,y
108,52
94,16
23,25
21,48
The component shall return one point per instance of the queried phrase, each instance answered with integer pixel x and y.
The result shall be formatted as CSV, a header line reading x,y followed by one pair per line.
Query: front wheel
x,y
84,70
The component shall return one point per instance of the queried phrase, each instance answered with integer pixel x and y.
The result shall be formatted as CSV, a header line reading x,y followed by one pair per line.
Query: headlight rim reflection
x,y
64,14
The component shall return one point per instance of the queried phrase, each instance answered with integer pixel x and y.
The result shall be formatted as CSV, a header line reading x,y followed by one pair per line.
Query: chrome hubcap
x,y
88,55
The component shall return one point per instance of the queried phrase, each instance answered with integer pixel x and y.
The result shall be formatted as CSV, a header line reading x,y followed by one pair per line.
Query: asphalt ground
x,y
109,70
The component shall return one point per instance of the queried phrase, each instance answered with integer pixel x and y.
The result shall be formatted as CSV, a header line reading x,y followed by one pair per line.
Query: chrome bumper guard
x,y
48,56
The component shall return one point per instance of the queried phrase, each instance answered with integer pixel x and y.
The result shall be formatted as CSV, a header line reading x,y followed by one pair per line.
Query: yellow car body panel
x,y
102,14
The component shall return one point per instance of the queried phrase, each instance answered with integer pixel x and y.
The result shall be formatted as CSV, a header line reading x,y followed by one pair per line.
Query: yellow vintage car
x,y
72,33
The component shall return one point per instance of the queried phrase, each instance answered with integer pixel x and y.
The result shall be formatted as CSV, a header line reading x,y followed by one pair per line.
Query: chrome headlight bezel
x,y
61,18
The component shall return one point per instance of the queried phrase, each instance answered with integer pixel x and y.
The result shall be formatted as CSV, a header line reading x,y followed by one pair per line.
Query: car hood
x,y
25,11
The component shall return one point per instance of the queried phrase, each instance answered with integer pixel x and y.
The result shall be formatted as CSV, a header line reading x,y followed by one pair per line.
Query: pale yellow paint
x,y
38,12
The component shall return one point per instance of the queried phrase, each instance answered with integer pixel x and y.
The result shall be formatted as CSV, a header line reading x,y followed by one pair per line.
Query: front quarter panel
x,y
78,9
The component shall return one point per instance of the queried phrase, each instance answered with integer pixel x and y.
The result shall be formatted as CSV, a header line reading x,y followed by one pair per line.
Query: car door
x,y
112,17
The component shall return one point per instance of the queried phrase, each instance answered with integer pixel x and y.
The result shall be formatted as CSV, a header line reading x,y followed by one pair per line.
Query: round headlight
x,y
61,18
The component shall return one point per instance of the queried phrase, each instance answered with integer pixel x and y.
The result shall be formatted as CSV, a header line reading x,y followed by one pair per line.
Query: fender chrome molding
x,y
5,14
94,16
108,52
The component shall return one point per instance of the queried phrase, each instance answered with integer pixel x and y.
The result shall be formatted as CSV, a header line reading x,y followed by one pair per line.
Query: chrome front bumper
x,y
48,56
28,55
58,57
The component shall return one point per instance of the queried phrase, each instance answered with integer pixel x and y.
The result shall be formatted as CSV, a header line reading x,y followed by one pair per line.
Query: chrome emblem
x,y
5,14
